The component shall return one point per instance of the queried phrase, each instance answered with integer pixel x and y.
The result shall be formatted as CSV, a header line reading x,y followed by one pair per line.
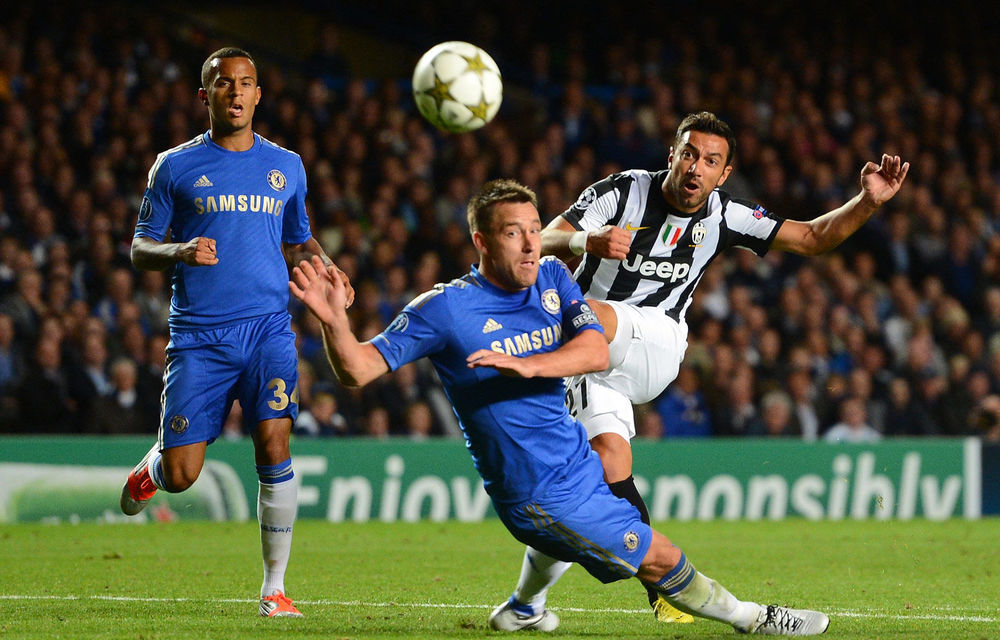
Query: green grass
x,y
439,580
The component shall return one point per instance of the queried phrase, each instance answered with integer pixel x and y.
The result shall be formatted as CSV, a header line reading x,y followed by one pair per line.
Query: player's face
x,y
697,166
233,94
510,250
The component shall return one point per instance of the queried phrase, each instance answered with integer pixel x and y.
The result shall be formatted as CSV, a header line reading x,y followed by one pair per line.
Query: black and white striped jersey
x,y
670,250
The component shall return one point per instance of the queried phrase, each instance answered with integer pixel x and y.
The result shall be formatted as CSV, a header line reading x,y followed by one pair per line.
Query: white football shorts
x,y
645,357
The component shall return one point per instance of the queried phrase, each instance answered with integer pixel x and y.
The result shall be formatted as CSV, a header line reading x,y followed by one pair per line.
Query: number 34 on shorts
x,y
281,398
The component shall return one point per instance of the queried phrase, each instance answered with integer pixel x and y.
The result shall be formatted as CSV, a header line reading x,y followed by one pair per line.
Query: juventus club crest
x,y
698,234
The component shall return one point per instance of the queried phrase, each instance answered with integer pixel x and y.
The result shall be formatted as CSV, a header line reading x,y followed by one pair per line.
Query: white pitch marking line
x,y
432,605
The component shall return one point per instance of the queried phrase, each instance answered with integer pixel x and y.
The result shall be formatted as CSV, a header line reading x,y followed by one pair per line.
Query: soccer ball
x,y
457,86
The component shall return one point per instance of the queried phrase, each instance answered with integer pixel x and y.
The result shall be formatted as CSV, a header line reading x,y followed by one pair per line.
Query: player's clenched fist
x,y
609,242
199,252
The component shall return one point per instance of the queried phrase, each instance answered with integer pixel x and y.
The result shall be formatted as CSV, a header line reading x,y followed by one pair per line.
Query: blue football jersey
x,y
518,431
249,202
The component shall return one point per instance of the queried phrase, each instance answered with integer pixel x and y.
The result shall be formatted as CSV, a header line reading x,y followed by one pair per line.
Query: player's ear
x,y
725,175
480,241
203,96
670,157
257,99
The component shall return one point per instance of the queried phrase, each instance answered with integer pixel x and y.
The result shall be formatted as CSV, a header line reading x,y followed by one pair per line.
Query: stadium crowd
x,y
896,333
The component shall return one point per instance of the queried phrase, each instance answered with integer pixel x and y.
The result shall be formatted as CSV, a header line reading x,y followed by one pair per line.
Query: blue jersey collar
x,y
211,143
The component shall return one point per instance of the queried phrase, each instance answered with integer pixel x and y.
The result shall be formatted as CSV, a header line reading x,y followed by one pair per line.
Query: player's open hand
x,y
334,272
199,252
511,366
609,242
879,183
311,283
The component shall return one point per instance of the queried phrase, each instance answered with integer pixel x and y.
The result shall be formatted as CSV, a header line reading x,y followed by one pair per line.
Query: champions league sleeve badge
x,y
145,209
586,199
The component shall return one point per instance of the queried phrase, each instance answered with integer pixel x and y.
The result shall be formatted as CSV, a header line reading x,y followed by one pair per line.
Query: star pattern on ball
x,y
476,63
440,92
479,110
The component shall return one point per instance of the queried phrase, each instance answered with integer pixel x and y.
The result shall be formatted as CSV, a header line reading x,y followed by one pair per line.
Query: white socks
x,y
538,573
277,506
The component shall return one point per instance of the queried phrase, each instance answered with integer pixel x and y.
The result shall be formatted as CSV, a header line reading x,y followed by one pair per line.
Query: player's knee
x,y
661,558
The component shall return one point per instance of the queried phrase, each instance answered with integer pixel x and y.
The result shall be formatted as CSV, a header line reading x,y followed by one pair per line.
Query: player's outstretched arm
x,y
586,352
150,255
879,183
559,239
354,363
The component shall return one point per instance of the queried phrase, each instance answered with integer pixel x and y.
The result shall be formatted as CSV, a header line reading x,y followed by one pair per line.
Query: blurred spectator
x,y
377,423
905,416
859,385
149,383
419,421
88,379
802,394
11,371
11,359
985,419
682,407
25,305
776,418
321,418
117,293
327,61
43,396
121,411
648,423
738,409
853,426
153,298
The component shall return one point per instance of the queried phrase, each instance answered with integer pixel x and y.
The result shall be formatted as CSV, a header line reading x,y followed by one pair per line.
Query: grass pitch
x,y
913,579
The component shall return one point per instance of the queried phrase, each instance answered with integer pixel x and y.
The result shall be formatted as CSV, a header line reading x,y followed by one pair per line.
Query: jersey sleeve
x,y
595,207
295,223
157,209
577,315
418,330
751,226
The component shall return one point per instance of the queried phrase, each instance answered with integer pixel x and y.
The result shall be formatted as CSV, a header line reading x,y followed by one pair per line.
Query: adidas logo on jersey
x,y
491,325
203,181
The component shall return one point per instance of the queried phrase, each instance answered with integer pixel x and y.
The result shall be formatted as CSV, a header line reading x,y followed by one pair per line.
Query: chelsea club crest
x,y
631,541
550,301
277,180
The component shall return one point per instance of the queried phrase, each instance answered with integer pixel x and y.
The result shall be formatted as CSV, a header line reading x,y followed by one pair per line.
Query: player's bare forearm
x,y
879,183
585,352
825,232
555,242
149,255
296,253
354,363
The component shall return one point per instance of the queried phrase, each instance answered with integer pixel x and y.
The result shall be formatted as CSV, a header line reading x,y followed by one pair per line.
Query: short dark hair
x,y
480,208
226,52
707,122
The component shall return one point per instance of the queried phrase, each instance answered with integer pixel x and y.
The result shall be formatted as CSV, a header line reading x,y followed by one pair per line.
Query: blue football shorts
x,y
580,520
253,361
